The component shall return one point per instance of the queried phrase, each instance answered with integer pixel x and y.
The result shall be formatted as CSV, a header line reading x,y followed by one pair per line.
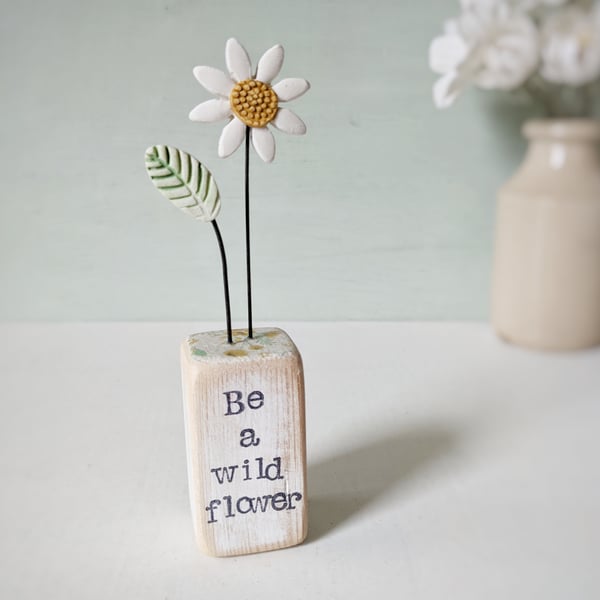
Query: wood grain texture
x,y
245,441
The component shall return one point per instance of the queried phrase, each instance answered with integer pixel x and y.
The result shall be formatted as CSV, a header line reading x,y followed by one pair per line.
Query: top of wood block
x,y
268,342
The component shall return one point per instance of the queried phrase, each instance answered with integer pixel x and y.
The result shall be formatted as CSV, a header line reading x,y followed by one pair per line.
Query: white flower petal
x,y
451,27
571,46
446,53
264,143
214,80
211,111
446,89
291,88
238,62
287,121
231,138
270,64
490,45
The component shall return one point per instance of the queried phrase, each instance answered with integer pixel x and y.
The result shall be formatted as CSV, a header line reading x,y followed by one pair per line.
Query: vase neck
x,y
564,154
562,161
564,143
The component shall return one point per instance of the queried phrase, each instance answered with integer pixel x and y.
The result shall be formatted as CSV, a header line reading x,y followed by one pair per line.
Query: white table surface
x,y
442,464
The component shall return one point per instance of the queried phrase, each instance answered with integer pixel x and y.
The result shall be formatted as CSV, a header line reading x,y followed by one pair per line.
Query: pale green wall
x,y
383,211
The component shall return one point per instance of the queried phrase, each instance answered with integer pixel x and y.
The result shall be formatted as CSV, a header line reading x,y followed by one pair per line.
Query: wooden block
x,y
245,441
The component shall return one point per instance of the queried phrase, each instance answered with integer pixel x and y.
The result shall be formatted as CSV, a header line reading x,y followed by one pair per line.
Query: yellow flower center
x,y
253,102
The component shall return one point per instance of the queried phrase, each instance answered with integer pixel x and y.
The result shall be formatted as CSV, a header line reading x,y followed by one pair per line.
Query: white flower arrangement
x,y
549,49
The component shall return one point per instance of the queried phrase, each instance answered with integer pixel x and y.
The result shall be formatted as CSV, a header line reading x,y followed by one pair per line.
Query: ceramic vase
x,y
546,275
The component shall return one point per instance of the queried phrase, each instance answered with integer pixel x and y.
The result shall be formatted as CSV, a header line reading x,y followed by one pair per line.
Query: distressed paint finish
x,y
259,502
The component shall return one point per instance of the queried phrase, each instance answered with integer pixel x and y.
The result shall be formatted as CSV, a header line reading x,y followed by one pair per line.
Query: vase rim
x,y
562,129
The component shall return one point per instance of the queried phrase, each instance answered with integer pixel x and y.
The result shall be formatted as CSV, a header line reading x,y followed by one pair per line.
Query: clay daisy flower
x,y
249,100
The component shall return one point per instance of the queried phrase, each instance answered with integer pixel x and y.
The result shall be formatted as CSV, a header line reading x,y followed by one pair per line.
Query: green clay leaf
x,y
183,180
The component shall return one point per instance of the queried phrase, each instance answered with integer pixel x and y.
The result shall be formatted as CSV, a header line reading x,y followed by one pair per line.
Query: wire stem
x,y
225,280
247,200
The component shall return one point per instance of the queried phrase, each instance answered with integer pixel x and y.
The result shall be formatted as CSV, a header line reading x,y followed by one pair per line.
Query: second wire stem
x,y
247,203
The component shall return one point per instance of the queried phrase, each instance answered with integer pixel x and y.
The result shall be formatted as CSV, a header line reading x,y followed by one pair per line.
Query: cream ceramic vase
x,y
546,279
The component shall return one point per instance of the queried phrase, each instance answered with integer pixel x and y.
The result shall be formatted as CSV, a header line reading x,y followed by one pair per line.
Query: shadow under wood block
x,y
346,483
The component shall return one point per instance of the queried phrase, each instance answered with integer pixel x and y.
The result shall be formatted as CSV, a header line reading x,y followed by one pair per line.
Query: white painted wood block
x,y
245,441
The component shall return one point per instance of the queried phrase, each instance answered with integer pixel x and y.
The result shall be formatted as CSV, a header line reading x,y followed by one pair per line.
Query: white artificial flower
x,y
490,45
571,46
248,100
530,5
